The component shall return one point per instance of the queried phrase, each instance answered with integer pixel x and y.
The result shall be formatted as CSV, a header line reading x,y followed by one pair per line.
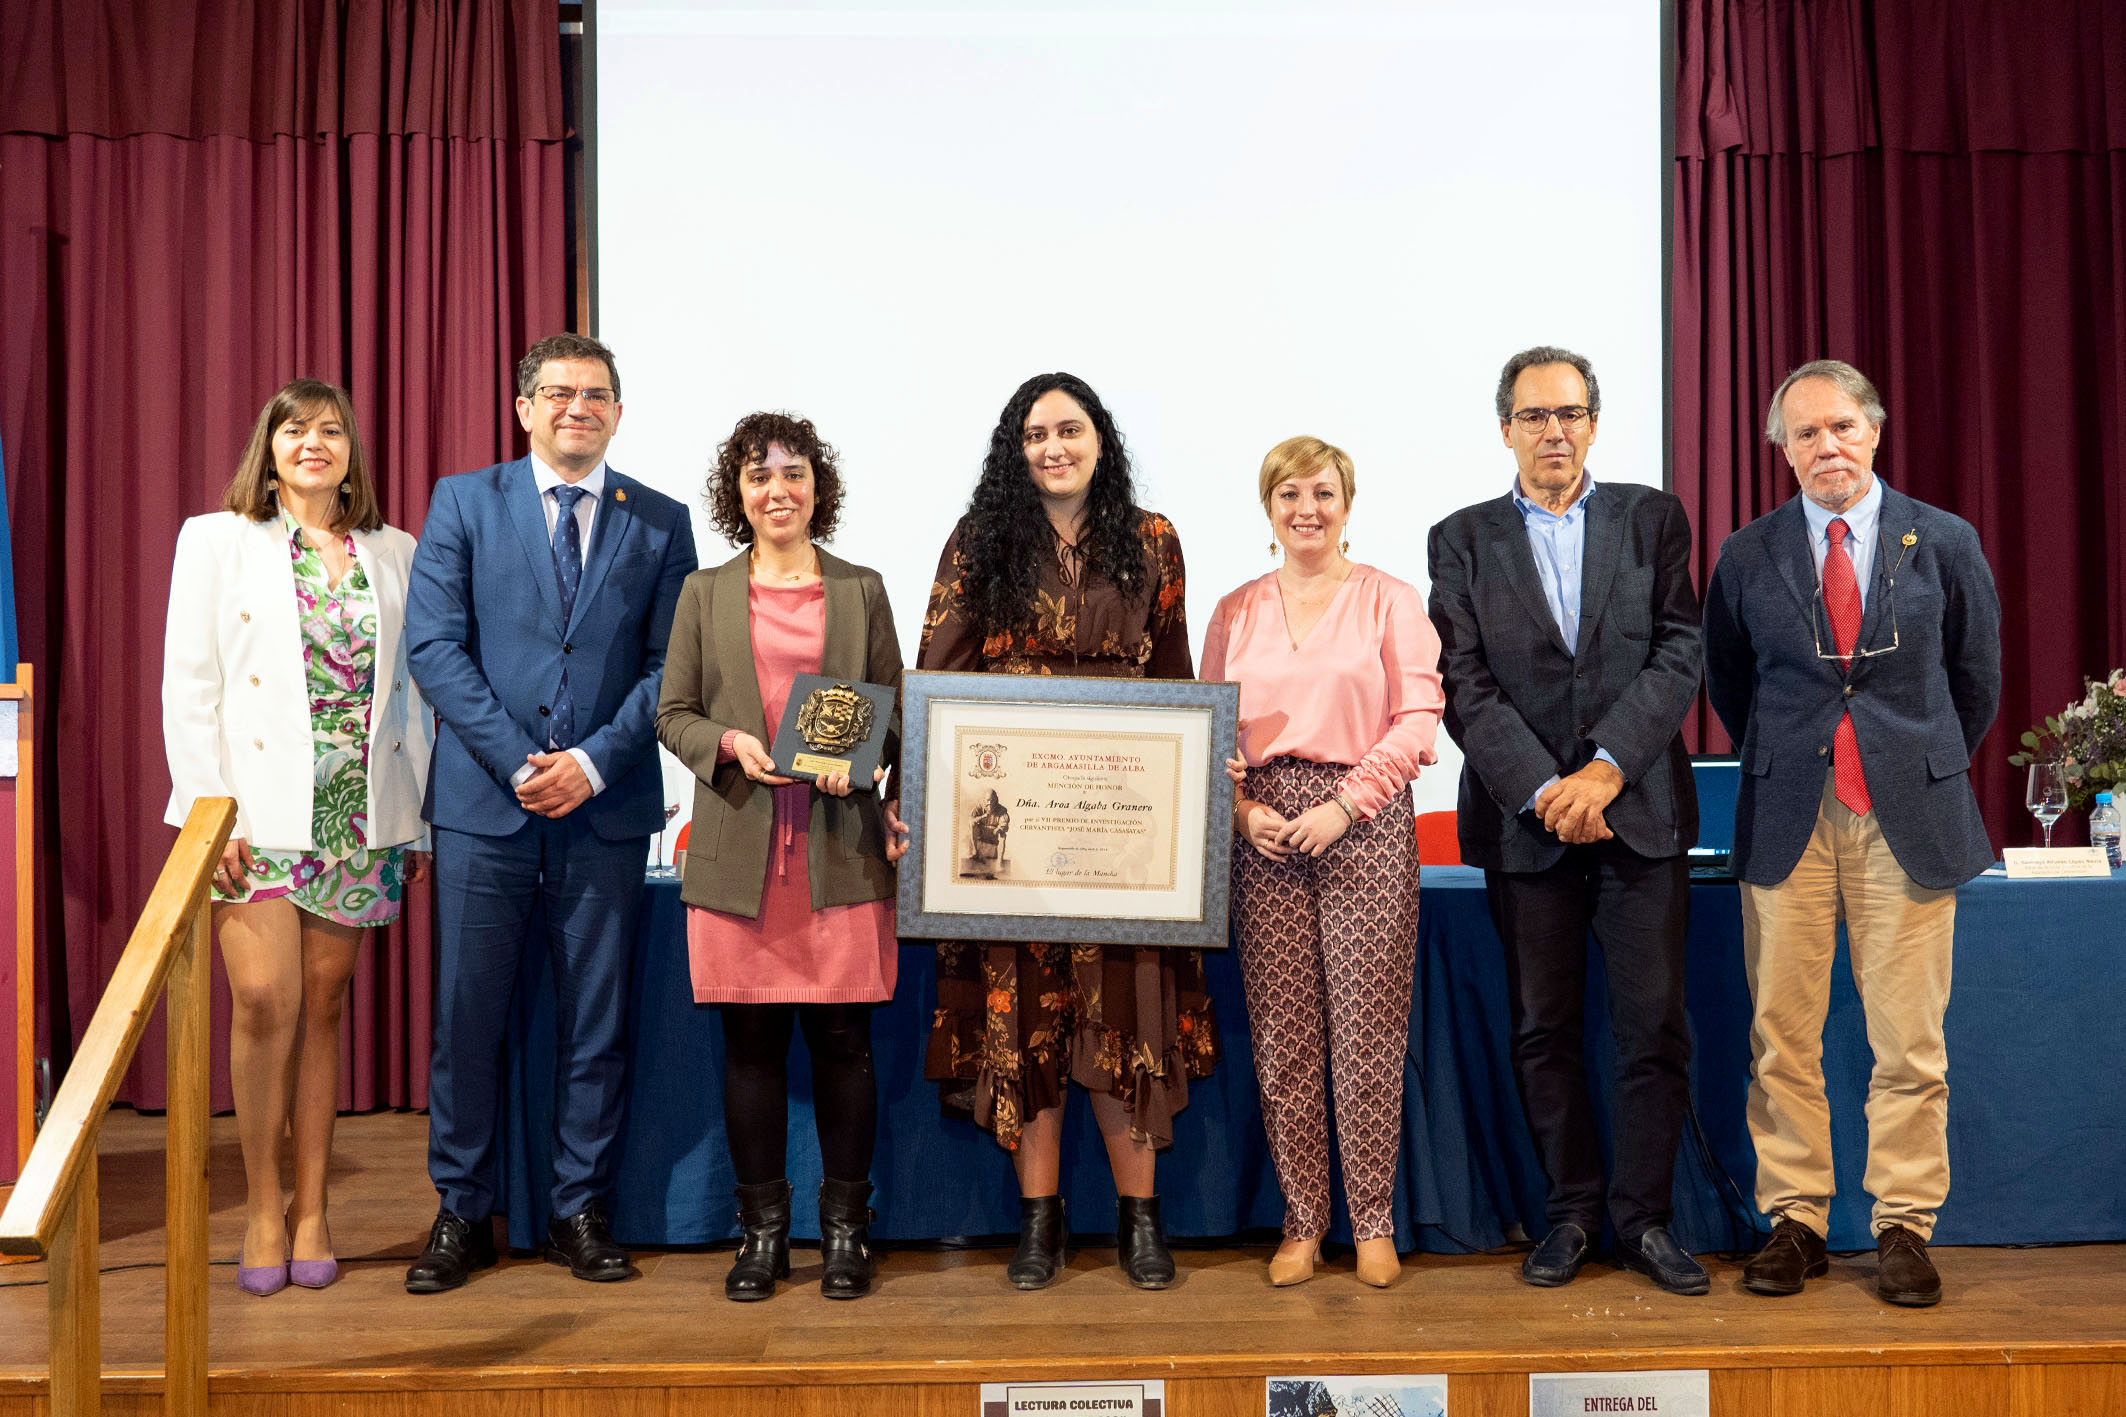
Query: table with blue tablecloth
x,y
2037,1118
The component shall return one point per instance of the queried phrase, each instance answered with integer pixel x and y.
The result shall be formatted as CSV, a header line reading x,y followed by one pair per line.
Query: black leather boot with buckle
x,y
764,1214
845,1217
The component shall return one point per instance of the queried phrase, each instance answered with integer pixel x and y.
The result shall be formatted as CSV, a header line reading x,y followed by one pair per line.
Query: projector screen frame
x,y
1670,64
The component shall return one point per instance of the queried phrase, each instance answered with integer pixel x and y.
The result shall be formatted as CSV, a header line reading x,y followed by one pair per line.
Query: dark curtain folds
x,y
1935,192
198,202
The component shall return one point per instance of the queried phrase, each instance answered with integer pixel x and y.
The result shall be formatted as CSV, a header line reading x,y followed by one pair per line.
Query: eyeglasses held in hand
x,y
561,396
1572,418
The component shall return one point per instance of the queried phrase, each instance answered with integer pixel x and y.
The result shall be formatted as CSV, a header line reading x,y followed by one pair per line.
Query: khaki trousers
x,y
1901,937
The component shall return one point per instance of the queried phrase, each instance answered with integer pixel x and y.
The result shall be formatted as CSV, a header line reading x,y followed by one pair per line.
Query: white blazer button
x,y
259,743
254,681
396,746
245,616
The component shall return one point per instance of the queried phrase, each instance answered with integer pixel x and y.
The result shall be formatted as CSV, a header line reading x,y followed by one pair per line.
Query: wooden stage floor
x,y
2035,1333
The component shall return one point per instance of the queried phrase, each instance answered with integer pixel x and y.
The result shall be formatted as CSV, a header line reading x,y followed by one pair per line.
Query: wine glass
x,y
2046,796
665,872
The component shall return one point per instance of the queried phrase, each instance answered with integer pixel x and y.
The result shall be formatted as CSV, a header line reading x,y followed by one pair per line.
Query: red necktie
x,y
1841,599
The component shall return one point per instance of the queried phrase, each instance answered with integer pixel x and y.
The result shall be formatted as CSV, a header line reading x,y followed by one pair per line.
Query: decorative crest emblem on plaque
x,y
835,719
988,760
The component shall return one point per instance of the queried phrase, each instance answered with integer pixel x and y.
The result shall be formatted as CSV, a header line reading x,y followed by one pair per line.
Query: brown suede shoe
x,y
1794,1254
1903,1273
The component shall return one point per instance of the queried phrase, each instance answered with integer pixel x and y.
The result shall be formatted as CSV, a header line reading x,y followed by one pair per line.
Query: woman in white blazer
x,y
285,687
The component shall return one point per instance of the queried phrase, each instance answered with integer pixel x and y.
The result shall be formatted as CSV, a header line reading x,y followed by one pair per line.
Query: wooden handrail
x,y
54,1209
69,1134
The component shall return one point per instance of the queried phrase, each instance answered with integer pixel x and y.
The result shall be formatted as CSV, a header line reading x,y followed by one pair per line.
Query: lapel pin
x,y
620,495
1911,538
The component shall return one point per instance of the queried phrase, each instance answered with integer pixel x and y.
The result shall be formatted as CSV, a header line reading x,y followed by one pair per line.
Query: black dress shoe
x,y
845,1217
456,1247
764,1216
1656,1255
1558,1259
584,1243
1139,1243
1041,1237
1794,1253
1903,1273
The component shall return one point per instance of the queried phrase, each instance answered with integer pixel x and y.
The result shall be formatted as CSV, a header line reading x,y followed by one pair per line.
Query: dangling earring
x,y
347,490
1346,547
1273,546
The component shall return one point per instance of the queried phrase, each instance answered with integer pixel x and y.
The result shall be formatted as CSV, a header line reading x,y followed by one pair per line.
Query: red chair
x,y
1437,844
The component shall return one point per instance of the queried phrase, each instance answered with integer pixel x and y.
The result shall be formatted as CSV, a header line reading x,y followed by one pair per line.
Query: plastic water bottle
x,y
2104,828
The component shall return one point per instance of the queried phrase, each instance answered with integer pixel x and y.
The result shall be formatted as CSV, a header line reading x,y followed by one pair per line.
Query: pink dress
x,y
790,953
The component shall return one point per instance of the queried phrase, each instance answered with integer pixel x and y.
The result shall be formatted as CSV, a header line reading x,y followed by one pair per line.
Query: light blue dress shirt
x,y
546,479
1861,519
1559,543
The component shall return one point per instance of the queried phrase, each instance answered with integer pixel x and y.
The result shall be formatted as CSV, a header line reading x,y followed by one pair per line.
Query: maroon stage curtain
x,y
1934,190
199,200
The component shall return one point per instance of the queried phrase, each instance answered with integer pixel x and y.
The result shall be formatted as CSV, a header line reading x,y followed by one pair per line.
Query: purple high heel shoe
x,y
308,1274
262,1279
313,1274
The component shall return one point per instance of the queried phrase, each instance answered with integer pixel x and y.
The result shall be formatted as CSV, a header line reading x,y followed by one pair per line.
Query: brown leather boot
x,y
1794,1254
1903,1273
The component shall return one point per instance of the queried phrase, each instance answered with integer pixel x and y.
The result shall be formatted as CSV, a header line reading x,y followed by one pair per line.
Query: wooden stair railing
x,y
53,1210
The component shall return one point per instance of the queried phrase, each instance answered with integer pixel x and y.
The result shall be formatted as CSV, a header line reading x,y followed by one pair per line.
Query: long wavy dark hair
x,y
1009,534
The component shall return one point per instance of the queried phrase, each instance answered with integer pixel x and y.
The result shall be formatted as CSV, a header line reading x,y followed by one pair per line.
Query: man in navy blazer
x,y
541,603
1569,644
1853,654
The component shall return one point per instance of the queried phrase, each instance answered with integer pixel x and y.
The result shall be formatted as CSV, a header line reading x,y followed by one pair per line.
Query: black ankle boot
x,y
845,1217
764,1213
1140,1245
1041,1236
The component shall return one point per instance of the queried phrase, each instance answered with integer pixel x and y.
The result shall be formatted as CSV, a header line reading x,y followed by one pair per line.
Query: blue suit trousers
x,y
488,889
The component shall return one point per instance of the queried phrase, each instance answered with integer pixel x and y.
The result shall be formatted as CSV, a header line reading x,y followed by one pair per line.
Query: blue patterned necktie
x,y
568,576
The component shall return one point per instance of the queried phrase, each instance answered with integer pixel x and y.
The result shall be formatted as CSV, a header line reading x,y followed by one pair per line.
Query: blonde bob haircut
x,y
1298,457
253,492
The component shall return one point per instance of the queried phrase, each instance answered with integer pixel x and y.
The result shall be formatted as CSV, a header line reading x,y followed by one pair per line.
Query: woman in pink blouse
x,y
789,885
1340,698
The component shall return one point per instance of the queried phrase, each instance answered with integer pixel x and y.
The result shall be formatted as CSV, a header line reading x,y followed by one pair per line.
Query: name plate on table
x,y
1067,810
832,725
2043,863
1673,1393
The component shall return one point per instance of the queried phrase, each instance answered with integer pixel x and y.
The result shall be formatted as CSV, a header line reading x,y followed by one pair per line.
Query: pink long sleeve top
x,y
1363,688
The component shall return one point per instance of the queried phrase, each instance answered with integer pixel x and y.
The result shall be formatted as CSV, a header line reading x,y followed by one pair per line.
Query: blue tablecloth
x,y
2037,1116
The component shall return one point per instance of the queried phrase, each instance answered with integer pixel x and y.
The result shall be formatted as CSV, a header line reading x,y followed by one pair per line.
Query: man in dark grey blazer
x,y
1569,642
1853,652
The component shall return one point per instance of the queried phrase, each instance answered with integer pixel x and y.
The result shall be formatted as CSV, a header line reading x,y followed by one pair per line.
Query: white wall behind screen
x,y
1237,221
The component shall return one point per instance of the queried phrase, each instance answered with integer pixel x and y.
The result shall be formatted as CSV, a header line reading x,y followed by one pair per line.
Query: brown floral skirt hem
x,y
1016,1024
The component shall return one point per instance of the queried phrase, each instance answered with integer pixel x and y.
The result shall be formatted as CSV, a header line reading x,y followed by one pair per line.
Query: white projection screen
x,y
1236,221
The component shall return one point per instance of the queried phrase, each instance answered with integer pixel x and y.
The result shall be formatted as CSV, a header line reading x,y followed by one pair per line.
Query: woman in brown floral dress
x,y
1056,570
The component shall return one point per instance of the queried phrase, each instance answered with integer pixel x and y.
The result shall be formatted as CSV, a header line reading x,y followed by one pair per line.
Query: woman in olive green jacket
x,y
789,885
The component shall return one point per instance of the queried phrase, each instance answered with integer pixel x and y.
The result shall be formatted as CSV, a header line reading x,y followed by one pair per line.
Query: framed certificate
x,y
1079,811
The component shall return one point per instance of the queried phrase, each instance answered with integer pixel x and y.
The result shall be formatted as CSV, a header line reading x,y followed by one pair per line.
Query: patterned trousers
x,y
1327,946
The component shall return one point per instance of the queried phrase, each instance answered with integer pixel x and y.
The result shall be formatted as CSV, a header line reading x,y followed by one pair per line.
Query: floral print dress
x,y
339,878
1018,1022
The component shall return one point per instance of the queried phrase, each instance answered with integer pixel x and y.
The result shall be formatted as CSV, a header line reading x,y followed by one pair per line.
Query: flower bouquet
x,y
2087,739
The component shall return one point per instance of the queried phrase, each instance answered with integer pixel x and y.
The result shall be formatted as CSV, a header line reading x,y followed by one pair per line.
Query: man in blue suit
x,y
536,622
1852,644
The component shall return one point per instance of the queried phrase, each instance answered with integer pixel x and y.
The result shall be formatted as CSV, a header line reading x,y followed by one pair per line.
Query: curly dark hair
x,y
1008,532
748,443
